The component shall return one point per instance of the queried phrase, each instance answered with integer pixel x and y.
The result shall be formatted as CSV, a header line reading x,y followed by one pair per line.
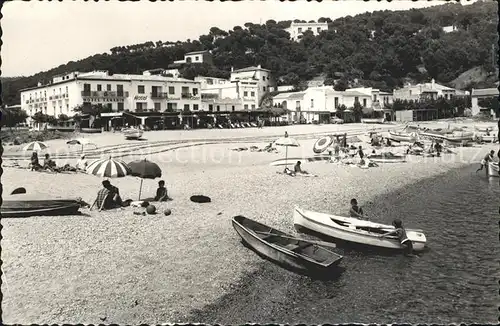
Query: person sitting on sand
x,y
161,192
355,210
297,168
49,164
81,164
34,163
403,238
484,162
108,197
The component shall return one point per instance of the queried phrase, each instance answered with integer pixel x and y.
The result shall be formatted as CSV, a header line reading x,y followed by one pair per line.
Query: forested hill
x,y
380,49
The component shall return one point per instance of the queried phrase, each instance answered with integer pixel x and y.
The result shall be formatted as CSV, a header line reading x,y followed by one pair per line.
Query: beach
x,y
118,267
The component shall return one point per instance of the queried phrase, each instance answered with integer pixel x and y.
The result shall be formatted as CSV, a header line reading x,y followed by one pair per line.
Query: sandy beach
x,y
117,267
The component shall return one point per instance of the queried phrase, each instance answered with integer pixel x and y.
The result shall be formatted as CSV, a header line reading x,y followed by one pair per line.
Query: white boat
x,y
132,133
355,230
454,137
403,136
493,170
373,120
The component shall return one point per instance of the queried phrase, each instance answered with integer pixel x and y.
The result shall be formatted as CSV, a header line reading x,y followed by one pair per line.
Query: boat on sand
x,y
300,254
493,169
355,230
21,205
402,136
387,157
132,133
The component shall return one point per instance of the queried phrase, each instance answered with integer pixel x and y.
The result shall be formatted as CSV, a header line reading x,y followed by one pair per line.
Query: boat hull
x,y
402,137
278,254
493,169
378,120
132,133
27,208
322,223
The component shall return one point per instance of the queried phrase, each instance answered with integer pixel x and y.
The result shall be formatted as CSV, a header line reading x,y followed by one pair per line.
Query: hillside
x,y
380,49
476,77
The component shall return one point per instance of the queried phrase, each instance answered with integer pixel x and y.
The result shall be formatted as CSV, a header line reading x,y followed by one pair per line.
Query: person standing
x,y
484,162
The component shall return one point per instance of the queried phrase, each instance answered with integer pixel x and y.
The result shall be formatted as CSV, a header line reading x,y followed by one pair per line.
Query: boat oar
x,y
319,243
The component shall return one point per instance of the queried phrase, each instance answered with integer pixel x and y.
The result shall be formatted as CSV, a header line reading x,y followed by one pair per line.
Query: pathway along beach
x,y
117,267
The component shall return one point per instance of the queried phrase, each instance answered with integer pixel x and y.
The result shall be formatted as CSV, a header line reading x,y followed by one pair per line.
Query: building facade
x,y
196,57
478,94
118,92
424,91
297,30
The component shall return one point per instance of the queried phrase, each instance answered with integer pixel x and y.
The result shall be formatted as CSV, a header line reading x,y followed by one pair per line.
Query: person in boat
x,y
82,163
484,162
34,163
161,192
298,169
108,197
49,164
356,211
400,232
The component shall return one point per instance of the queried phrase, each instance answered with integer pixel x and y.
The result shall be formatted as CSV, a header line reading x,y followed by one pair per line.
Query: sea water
x,y
456,280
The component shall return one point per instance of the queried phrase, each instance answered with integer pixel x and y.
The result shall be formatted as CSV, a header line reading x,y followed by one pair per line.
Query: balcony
x,y
159,95
104,94
209,96
188,96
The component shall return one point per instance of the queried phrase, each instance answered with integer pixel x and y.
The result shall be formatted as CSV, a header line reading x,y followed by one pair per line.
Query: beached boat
x,y
454,137
293,160
282,248
373,120
20,206
355,230
493,169
409,137
132,133
484,128
387,158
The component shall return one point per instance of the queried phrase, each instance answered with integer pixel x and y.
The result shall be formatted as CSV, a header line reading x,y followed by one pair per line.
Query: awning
x,y
112,114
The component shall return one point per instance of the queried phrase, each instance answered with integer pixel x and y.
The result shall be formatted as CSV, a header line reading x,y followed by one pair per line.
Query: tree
x,y
491,103
341,85
357,110
93,110
340,111
11,117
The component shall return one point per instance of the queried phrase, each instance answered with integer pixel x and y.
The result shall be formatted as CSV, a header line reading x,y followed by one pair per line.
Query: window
x,y
67,107
245,93
336,101
120,106
312,103
319,30
110,106
410,92
210,81
119,90
264,78
246,106
108,87
195,107
157,106
218,107
264,88
309,28
253,94
364,102
356,99
171,106
300,30
196,58
138,106
297,105
140,89
195,91
171,90
233,108
375,98
253,106
99,87
185,90
210,107
59,91
186,107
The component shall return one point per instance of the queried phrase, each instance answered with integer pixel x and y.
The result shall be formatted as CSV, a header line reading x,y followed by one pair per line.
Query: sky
x,y
38,36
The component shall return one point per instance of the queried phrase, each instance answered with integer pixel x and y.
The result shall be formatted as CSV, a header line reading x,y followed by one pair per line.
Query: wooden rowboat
x,y
493,169
403,136
132,133
355,230
300,254
24,208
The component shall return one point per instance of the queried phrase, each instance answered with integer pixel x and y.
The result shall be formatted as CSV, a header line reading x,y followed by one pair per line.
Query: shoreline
x,y
149,259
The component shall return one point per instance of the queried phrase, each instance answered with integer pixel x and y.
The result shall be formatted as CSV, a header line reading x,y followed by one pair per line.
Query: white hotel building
x,y
297,30
119,92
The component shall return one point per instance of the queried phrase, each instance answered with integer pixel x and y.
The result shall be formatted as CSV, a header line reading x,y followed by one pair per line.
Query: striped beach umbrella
x,y
109,168
35,146
322,144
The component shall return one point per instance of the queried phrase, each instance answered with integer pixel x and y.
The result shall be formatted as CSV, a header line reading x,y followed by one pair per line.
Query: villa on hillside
x,y
297,30
424,91
196,57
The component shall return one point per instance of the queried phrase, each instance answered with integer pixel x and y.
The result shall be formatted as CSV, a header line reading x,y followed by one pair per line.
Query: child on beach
x,y
485,160
297,168
403,238
82,163
355,210
161,192
34,164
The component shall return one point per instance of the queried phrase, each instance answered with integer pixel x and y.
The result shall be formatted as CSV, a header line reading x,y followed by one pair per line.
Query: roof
x,y
250,69
197,52
384,93
485,92
289,96
355,93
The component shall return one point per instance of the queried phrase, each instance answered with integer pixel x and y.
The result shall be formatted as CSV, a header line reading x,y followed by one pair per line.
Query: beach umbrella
x,y
108,168
144,169
287,142
80,141
322,144
35,146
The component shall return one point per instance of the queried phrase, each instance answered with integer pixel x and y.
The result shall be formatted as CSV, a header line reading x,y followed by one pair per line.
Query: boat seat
x,y
291,246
